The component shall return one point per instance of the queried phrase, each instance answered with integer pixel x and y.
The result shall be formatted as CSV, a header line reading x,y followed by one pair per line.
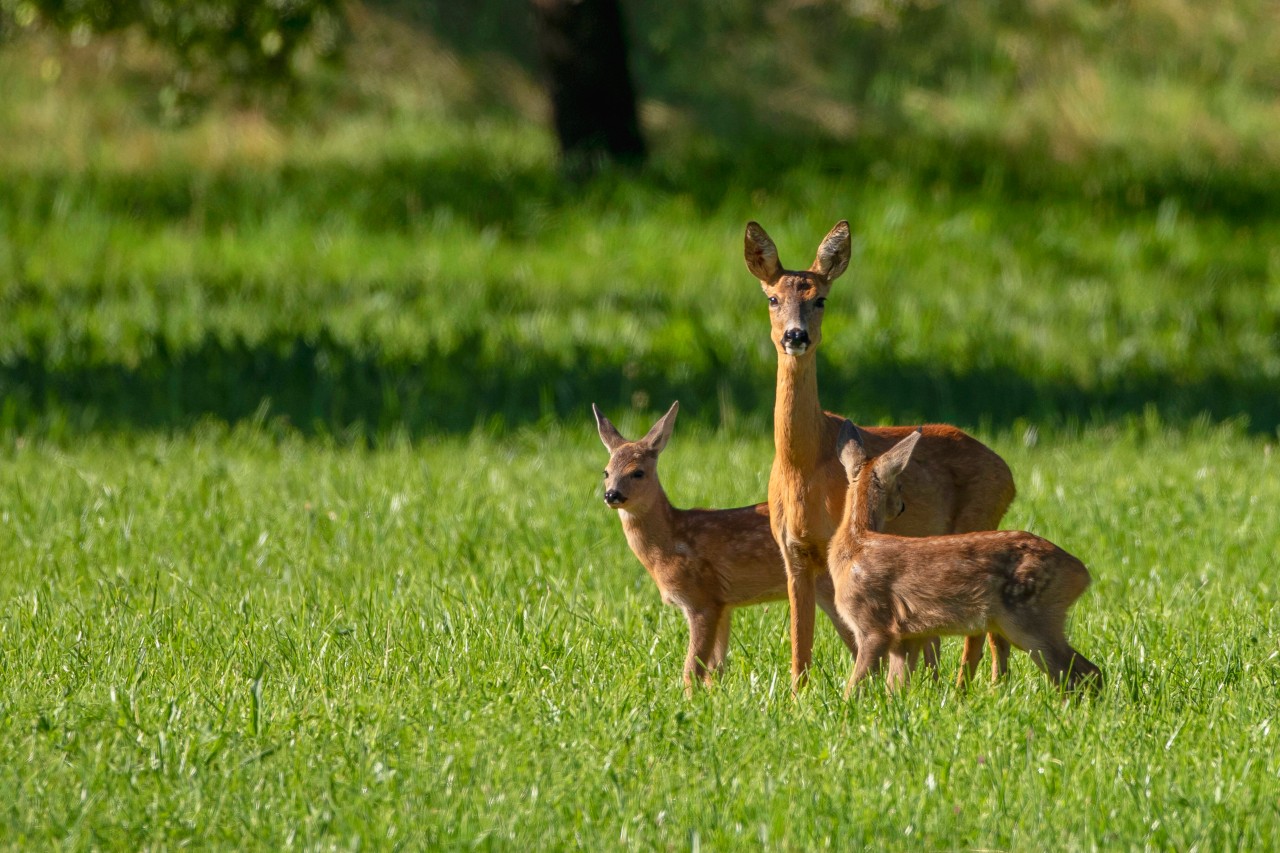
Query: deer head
x,y
796,299
875,490
631,477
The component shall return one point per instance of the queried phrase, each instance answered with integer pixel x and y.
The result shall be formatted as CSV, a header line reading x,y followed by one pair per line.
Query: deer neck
x,y
857,527
859,509
798,421
650,532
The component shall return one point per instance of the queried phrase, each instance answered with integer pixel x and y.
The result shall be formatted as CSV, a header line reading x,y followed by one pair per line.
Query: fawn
x,y
704,561
957,485
895,591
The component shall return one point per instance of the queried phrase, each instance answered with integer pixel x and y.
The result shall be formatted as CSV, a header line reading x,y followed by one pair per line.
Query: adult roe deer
x,y
895,591
704,561
957,485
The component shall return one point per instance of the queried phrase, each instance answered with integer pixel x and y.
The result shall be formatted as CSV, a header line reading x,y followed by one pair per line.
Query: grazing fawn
x,y
704,561
896,591
957,485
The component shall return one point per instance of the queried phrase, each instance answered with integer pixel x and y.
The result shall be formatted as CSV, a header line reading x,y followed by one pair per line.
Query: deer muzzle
x,y
795,341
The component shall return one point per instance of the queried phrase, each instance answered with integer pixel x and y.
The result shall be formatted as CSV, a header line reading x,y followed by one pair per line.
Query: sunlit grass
x,y
227,635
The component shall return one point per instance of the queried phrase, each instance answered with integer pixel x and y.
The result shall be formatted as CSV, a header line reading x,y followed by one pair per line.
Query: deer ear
x,y
849,448
660,434
761,254
833,254
891,463
608,432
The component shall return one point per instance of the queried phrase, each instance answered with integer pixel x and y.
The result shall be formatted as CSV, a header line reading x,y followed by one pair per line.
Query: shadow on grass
x,y
321,387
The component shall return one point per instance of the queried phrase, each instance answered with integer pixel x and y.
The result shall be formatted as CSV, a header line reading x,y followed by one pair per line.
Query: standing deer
x,y
704,561
957,485
896,591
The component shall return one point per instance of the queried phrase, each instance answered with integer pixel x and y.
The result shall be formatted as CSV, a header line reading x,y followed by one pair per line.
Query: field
x,y
230,638
301,542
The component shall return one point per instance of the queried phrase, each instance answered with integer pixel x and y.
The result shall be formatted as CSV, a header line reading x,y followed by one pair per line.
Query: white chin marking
x,y
790,350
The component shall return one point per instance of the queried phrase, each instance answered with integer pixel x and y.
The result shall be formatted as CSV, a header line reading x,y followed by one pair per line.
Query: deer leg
x,y
703,624
903,657
918,650
801,595
871,657
826,600
721,647
931,649
969,659
999,656
975,516
897,670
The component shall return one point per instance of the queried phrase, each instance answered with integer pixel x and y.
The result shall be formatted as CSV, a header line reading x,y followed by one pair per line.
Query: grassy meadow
x,y
228,638
301,544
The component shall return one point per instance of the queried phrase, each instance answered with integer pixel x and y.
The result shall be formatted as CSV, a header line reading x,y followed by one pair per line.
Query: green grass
x,y
300,536
228,638
1063,308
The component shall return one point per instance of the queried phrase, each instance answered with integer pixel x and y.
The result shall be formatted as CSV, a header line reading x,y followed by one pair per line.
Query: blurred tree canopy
x,y
247,42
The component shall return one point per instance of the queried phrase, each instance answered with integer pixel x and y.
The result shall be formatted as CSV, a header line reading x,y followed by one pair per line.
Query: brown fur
x,y
704,561
958,484
897,591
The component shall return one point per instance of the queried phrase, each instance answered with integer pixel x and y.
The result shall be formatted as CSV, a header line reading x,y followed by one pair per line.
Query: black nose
x,y
613,496
795,337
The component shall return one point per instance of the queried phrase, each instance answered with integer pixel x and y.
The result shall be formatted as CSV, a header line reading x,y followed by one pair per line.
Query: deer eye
x,y
820,302
773,302
637,474
606,475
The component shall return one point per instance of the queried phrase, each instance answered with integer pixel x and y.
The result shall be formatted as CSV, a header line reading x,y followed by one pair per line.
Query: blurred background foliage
x,y
1065,210
1166,87
261,44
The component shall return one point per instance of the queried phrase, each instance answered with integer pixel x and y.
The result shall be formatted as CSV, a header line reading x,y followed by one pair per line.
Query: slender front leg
x,y
871,655
803,597
826,600
722,641
703,625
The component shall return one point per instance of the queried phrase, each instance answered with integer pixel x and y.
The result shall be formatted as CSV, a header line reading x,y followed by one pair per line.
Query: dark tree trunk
x,y
584,52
